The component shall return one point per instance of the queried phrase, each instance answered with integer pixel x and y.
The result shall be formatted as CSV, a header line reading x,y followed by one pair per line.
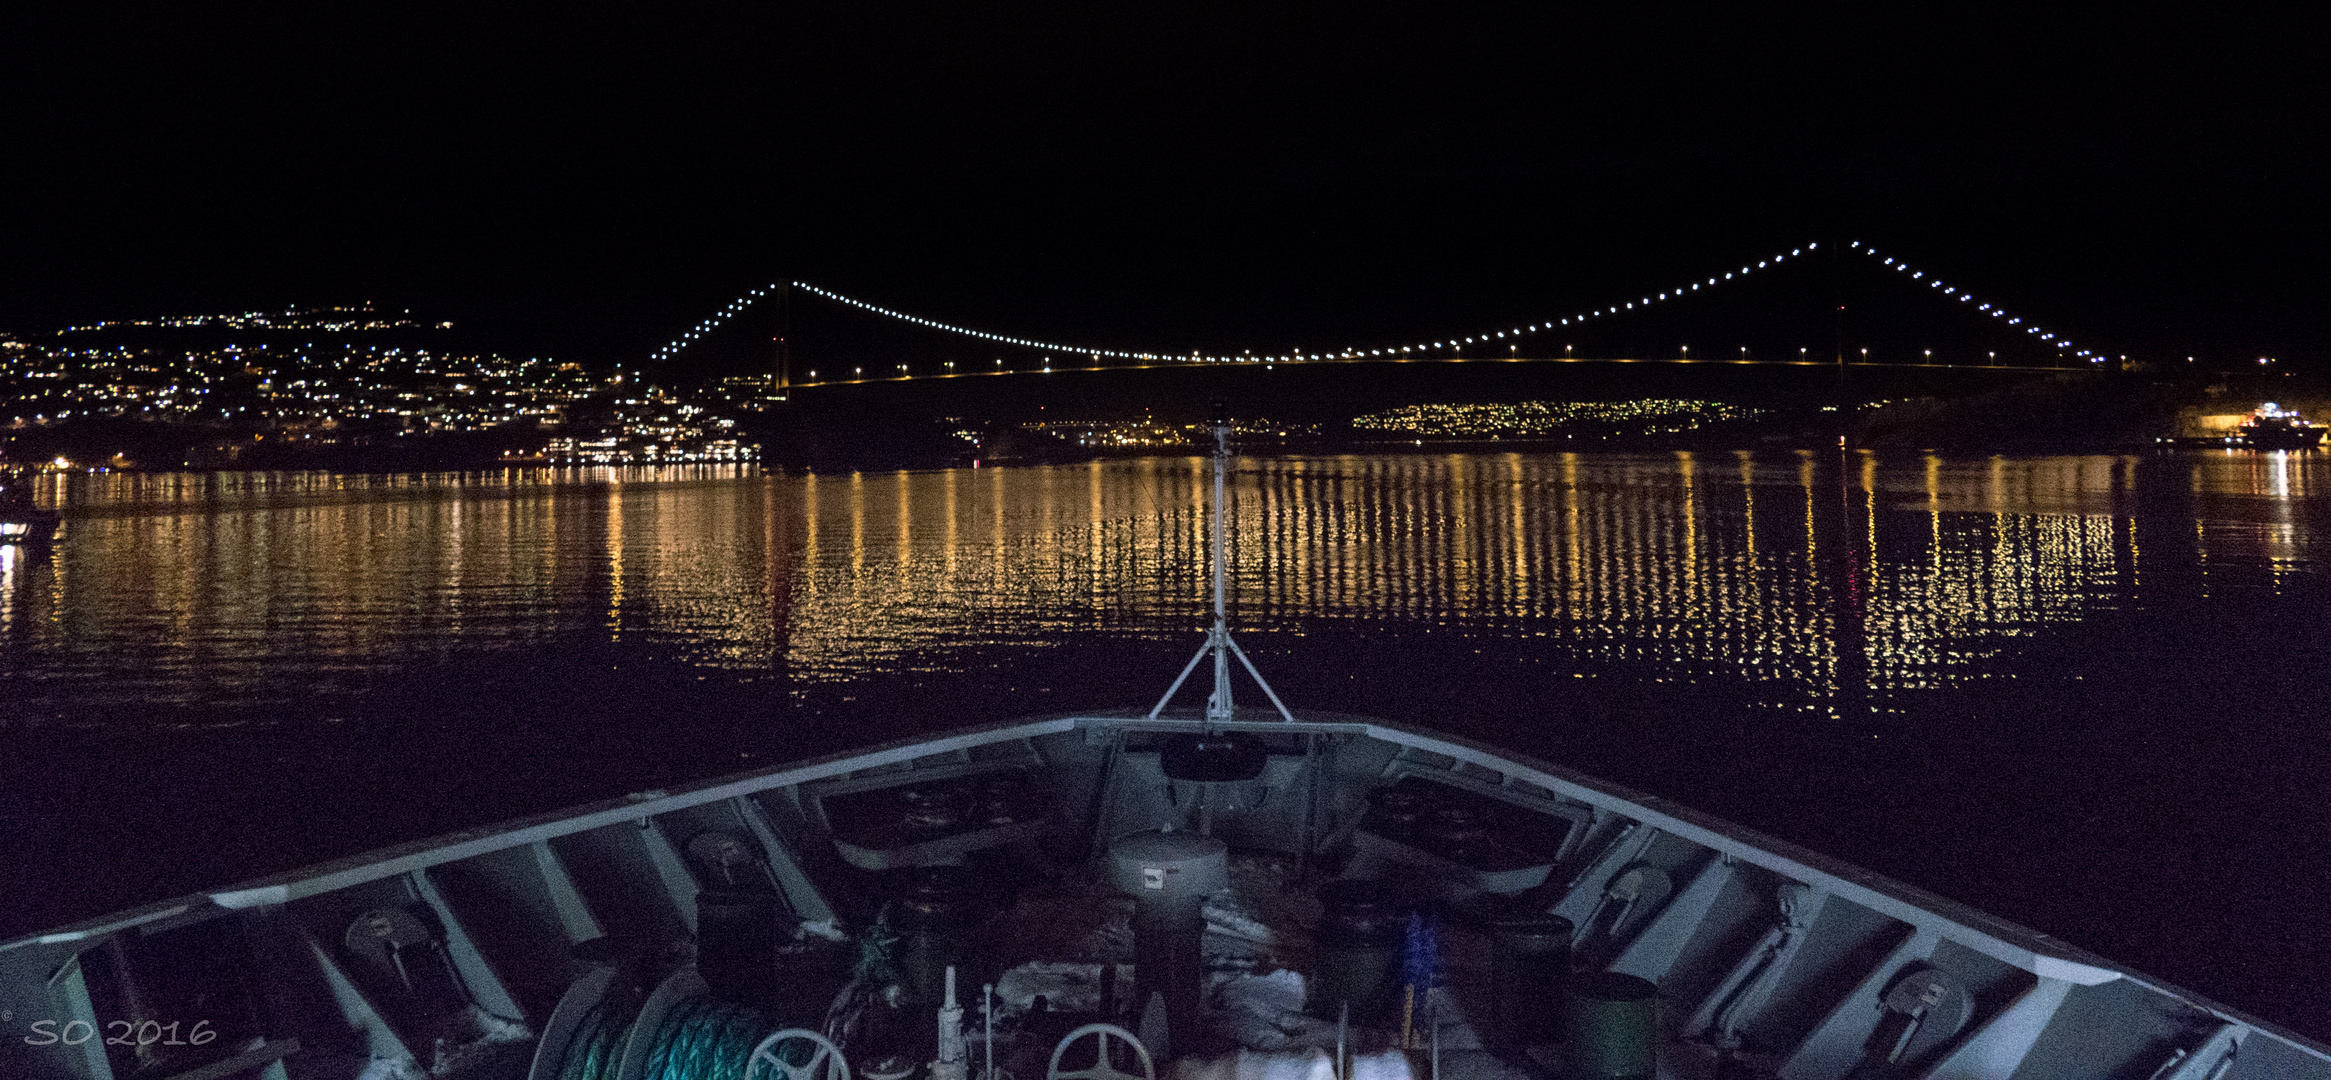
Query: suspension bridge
x,y
1038,356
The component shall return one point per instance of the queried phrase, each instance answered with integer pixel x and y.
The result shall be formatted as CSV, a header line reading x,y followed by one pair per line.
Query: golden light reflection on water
x,y
1820,573
10,556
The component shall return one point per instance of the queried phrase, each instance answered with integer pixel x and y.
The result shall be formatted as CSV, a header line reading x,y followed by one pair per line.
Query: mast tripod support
x,y
1220,708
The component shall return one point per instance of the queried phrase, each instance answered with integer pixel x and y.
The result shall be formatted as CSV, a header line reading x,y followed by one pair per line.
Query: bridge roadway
x,y
907,375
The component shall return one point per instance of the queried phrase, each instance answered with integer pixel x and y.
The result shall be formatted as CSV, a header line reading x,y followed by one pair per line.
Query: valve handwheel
x,y
836,1066
1101,1069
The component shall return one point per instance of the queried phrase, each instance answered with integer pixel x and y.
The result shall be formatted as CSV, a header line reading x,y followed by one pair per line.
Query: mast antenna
x,y
1219,706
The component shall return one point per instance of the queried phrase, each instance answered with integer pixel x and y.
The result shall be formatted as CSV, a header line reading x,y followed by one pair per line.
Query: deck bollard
x,y
1529,979
1612,1028
1357,962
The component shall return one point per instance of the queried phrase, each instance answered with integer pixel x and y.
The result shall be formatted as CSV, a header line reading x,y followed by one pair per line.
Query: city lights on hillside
x,y
1543,418
350,394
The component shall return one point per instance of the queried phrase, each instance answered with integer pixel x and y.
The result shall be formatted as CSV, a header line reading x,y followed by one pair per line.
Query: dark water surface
x,y
2086,693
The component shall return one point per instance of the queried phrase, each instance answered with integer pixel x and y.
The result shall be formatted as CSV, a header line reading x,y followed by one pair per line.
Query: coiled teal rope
x,y
706,1040
697,1040
591,1056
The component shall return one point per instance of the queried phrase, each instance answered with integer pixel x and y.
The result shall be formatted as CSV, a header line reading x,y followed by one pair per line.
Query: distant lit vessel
x,y
1232,894
2273,427
20,521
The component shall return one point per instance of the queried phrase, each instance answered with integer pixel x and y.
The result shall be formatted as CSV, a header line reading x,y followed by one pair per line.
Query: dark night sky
x,y
1183,177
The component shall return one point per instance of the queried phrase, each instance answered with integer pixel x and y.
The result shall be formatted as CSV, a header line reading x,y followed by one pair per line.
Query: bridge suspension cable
x,y
1299,356
727,311
739,305
1963,296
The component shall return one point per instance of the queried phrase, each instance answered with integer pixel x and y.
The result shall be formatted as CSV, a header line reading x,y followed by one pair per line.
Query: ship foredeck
x,y
1426,904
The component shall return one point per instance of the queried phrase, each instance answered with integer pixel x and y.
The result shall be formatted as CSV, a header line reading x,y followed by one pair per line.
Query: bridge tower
x,y
783,341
